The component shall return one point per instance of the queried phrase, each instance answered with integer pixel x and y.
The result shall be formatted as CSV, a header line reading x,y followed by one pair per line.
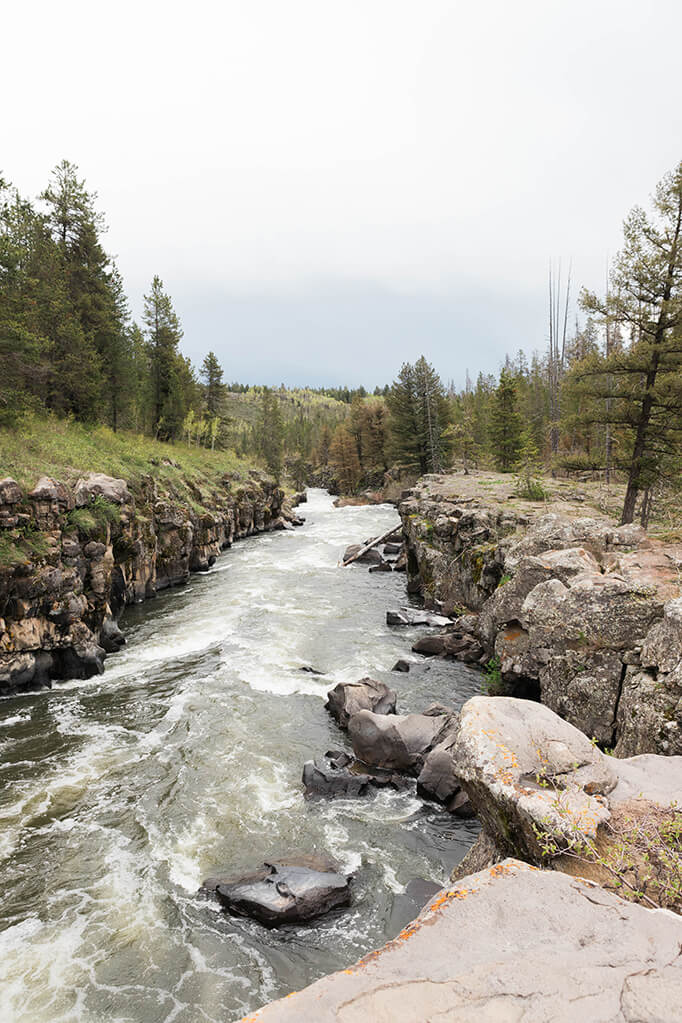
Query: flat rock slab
x,y
285,891
415,616
509,945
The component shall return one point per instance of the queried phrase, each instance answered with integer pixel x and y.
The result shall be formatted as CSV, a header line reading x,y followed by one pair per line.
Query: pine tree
x,y
169,405
214,389
419,417
640,383
505,423
271,432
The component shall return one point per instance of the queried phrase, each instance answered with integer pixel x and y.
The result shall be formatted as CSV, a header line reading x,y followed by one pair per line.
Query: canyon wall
x,y
586,614
74,556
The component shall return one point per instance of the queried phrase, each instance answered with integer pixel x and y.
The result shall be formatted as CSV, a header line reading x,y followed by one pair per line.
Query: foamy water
x,y
120,794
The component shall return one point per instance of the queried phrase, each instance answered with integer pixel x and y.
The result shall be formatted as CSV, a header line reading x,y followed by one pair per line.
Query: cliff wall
x,y
587,612
73,556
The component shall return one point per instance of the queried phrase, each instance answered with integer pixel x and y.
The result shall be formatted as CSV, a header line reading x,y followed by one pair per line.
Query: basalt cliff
x,y
75,555
582,614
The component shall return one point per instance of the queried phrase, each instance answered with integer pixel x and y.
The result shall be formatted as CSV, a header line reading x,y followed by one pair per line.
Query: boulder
x,y
96,484
381,567
329,776
110,636
348,698
290,890
437,778
529,773
416,616
399,742
401,665
371,557
50,490
337,774
391,549
10,491
530,945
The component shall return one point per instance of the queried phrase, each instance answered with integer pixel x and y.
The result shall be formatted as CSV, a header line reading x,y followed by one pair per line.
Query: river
x,y
120,794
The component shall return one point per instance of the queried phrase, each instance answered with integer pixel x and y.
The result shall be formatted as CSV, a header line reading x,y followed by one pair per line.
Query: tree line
x,y
604,397
67,340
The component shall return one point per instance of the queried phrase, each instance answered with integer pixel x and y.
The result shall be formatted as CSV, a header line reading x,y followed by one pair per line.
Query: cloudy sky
x,y
330,187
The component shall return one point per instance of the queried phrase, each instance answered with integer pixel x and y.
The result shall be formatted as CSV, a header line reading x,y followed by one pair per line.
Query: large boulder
x,y
96,484
506,945
399,742
290,890
370,557
348,698
530,775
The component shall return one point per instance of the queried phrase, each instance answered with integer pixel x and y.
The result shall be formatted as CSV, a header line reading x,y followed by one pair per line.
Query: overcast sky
x,y
330,187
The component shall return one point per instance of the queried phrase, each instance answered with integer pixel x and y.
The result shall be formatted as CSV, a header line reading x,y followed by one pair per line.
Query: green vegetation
x,y
22,546
606,401
66,449
93,519
492,683
637,852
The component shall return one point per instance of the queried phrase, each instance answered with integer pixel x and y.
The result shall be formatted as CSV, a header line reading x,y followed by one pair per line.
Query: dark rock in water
x,y
337,774
431,646
461,806
401,665
110,636
438,779
309,670
372,557
415,616
347,698
401,563
399,742
329,776
392,548
382,567
290,890
408,904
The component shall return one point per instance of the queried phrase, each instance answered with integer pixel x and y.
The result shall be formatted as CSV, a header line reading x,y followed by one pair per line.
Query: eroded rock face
x,y
566,606
285,891
58,608
530,946
348,698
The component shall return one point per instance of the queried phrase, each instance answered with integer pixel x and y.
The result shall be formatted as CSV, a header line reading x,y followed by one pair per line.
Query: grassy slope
x,y
66,450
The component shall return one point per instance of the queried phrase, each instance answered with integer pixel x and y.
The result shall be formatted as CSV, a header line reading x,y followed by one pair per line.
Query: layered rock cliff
x,y
588,613
74,556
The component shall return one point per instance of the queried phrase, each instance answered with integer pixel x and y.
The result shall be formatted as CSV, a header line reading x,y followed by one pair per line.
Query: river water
x,y
120,794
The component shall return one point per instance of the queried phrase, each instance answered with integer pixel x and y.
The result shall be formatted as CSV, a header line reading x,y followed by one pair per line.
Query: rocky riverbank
x,y
583,614
75,555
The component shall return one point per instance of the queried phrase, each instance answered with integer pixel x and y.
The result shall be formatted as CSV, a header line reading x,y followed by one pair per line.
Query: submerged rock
x,y
401,665
348,698
290,890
